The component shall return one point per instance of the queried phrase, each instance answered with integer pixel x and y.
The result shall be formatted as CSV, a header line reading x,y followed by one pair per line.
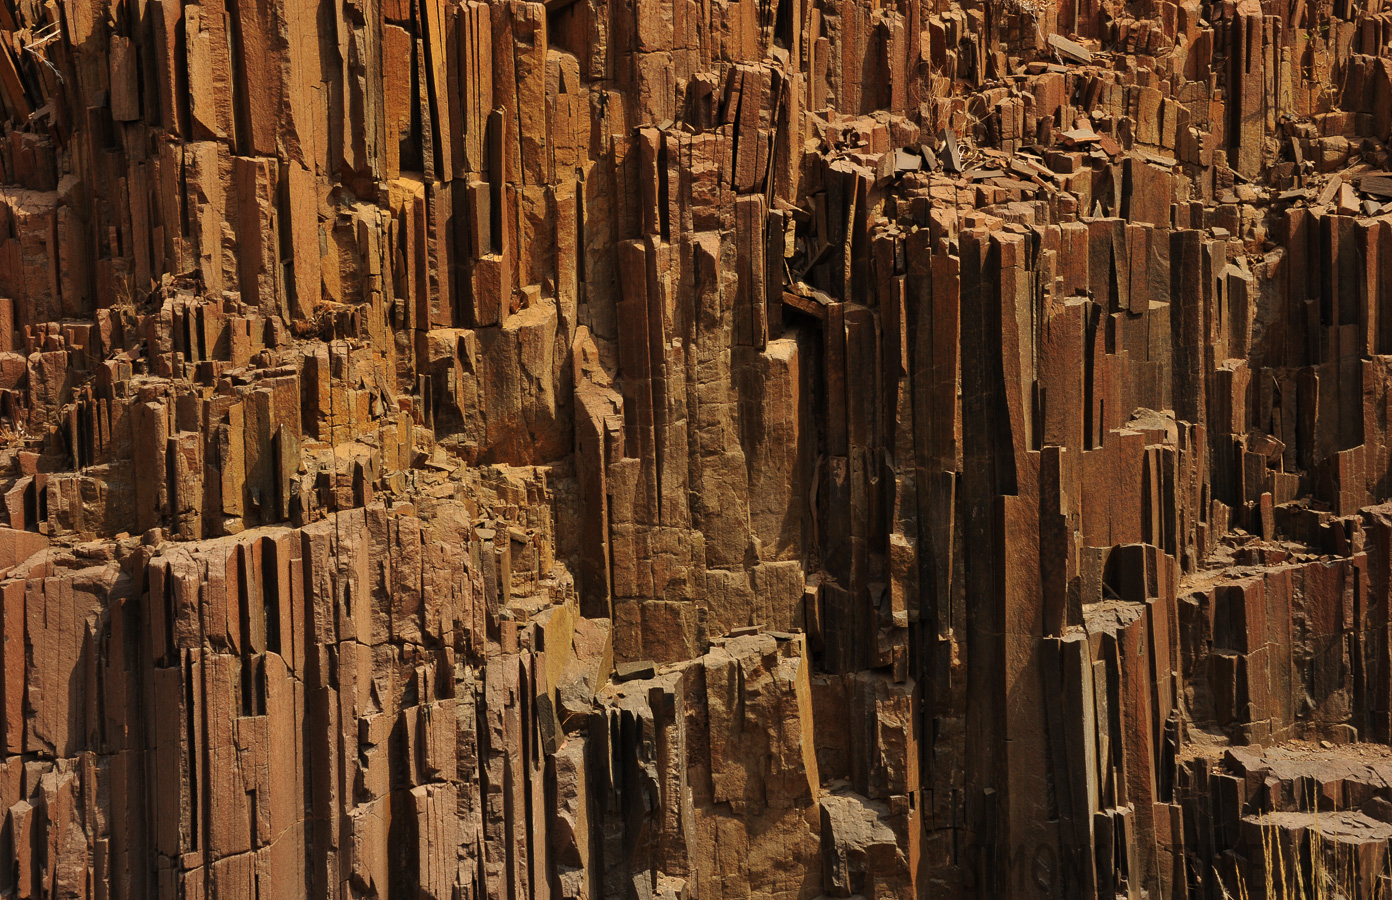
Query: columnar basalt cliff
x,y
695,449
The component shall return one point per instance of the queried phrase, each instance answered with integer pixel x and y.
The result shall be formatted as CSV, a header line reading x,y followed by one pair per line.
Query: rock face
x,y
695,450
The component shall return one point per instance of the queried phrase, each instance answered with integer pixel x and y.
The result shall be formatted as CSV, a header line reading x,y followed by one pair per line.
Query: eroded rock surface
x,y
695,450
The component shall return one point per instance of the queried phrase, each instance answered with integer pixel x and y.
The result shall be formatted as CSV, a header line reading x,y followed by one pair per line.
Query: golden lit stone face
x,y
676,450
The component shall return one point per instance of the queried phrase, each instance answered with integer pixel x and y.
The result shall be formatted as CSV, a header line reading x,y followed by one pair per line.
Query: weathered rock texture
x,y
708,449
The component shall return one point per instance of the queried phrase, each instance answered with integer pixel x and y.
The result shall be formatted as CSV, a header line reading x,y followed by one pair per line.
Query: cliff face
x,y
698,450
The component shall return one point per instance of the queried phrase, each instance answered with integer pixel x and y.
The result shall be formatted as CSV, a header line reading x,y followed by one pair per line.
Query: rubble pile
x,y
698,449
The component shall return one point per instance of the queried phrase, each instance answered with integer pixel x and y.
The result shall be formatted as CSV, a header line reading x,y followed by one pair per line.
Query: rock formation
x,y
695,449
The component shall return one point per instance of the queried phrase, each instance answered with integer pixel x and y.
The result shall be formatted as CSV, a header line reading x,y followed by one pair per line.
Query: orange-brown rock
x,y
695,450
